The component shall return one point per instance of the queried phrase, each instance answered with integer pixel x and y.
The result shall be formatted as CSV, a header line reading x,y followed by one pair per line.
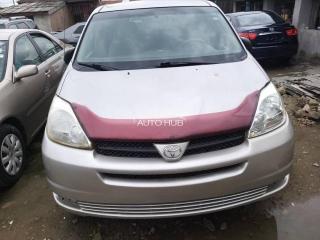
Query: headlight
x,y
63,126
270,112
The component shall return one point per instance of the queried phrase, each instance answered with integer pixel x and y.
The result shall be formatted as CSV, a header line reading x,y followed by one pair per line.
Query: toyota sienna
x,y
163,112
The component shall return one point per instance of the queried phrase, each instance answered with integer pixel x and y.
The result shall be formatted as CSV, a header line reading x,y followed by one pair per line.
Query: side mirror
x,y
26,71
247,43
68,54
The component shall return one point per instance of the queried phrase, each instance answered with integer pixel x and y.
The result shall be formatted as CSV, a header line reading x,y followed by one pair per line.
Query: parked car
x,y
270,35
31,65
71,35
162,112
17,23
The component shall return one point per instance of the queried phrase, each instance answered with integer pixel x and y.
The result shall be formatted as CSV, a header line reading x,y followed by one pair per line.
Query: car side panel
x,y
31,92
8,109
28,100
56,66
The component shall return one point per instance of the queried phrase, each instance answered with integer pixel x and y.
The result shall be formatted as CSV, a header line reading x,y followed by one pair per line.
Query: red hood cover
x,y
99,128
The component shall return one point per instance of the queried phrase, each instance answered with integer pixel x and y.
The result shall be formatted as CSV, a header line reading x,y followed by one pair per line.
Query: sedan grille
x,y
146,149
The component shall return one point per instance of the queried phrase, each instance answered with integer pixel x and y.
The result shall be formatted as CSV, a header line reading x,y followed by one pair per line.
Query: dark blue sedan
x,y
271,37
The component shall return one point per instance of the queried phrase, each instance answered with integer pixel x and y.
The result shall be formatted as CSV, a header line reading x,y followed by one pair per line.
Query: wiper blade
x,y
181,64
99,67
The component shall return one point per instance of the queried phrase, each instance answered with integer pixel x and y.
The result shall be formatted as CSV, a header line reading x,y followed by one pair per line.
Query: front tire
x,y
12,155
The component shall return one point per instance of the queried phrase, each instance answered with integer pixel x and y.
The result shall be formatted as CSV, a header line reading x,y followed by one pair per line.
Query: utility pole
x,y
14,3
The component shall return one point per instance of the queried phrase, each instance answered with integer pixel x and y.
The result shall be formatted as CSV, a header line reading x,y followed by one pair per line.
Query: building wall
x,y
309,39
61,20
53,22
43,22
309,43
301,14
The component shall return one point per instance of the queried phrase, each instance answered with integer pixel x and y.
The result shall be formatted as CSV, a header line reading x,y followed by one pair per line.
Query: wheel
x,y
12,155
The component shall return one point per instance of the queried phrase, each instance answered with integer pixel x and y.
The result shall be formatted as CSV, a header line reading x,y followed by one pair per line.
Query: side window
x,y
47,47
25,53
13,26
22,25
79,30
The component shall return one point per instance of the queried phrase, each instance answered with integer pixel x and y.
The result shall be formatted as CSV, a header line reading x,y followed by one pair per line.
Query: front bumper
x,y
90,184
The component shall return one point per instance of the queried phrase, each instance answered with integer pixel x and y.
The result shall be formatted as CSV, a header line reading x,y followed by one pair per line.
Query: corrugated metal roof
x,y
35,7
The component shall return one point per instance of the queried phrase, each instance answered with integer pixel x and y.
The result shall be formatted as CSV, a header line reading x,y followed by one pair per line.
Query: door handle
x,y
47,73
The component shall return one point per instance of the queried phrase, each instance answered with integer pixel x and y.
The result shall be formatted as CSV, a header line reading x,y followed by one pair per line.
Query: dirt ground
x,y
27,211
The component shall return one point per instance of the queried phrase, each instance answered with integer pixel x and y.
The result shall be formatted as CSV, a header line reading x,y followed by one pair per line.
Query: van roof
x,y
126,5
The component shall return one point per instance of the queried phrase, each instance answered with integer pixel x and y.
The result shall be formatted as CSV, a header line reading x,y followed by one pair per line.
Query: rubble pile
x,y
310,109
307,106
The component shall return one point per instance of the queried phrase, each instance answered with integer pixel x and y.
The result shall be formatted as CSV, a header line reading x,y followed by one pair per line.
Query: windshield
x,y
145,38
256,19
3,58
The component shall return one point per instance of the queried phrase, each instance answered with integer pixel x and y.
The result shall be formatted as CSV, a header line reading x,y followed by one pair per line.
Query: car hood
x,y
203,99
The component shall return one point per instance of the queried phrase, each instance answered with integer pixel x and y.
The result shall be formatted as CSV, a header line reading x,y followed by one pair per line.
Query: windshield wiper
x,y
99,67
181,64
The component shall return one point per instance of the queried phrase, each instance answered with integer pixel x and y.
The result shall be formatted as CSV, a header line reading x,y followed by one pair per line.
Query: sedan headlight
x,y
270,112
63,126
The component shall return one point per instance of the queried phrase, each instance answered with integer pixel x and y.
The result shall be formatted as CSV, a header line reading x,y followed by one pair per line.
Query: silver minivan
x,y
163,112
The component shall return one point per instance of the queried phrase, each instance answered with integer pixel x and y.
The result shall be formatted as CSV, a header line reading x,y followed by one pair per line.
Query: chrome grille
x,y
213,204
146,149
